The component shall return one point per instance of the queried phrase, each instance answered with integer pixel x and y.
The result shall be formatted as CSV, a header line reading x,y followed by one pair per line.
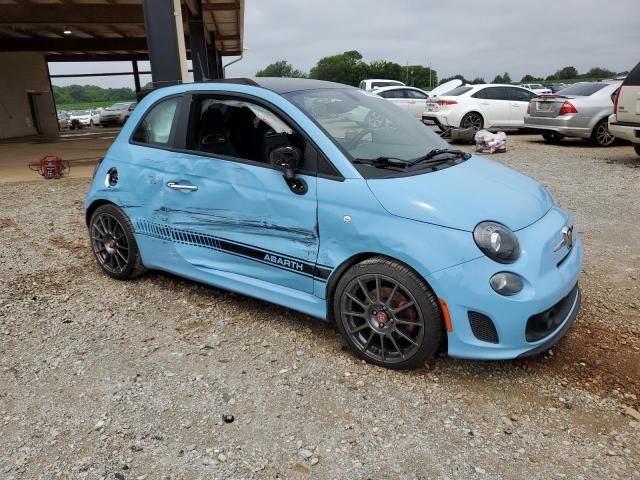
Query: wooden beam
x,y
71,44
66,14
220,6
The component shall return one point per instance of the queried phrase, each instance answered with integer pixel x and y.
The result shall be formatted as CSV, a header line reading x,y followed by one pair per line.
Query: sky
x,y
474,38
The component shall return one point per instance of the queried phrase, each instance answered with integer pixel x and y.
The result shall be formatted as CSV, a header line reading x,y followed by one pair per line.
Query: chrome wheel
x,y
382,318
602,135
375,120
109,243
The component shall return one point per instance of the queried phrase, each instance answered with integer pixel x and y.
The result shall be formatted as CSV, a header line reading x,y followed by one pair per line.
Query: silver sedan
x,y
580,110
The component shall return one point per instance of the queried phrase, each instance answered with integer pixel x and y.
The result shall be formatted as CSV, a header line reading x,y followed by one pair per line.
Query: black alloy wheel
x,y
113,243
387,314
472,120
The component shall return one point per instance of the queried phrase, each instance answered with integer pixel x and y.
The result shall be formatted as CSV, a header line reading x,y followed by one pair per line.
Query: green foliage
x,y
347,68
528,78
421,77
91,95
281,68
86,105
458,77
386,70
502,78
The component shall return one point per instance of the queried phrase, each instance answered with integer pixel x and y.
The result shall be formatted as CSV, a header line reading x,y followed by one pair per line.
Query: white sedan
x,y
80,119
411,99
479,106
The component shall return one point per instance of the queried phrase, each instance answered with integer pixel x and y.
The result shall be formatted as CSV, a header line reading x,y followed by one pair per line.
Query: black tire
x,y
400,327
473,120
552,137
113,243
601,136
636,147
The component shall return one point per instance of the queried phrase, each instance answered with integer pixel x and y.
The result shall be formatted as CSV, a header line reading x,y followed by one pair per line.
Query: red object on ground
x,y
51,166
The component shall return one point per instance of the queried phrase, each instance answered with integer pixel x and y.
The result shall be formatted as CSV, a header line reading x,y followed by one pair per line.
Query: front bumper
x,y
548,277
562,125
110,121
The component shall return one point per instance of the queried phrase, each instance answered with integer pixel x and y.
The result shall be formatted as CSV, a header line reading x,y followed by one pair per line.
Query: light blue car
x,y
334,202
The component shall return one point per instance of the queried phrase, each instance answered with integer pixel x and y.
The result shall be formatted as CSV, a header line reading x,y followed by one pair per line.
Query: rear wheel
x,y
387,314
113,243
636,147
601,135
472,120
552,137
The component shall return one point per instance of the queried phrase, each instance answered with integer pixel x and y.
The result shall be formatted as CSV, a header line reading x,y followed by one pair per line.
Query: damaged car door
x,y
229,207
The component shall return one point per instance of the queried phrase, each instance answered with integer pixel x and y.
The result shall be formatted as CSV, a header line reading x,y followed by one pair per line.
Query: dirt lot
x,y
105,379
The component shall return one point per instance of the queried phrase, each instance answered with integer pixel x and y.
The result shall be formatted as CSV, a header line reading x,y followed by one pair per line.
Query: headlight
x,y
497,242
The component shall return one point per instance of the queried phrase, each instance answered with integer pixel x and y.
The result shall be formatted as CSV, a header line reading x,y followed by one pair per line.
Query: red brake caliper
x,y
411,315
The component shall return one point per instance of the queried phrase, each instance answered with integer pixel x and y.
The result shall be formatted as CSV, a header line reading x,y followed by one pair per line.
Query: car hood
x,y
464,195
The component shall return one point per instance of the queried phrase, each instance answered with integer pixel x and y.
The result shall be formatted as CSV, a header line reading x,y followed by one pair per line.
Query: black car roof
x,y
283,85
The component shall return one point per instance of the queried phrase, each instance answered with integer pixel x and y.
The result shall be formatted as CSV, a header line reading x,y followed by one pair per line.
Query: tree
x,y
530,79
566,73
419,76
458,77
281,68
597,72
386,70
346,67
498,79
477,81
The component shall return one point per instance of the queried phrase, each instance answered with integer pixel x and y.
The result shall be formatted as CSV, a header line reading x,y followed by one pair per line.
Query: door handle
x,y
178,186
412,101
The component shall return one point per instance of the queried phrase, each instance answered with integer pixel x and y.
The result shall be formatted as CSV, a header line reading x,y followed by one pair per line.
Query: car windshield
x,y
535,85
119,106
80,113
366,126
583,89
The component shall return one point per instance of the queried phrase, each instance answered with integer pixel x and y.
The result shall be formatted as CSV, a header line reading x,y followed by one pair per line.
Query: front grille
x,y
543,323
483,327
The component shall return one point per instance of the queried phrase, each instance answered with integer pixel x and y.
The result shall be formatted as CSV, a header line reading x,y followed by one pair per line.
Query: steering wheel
x,y
358,138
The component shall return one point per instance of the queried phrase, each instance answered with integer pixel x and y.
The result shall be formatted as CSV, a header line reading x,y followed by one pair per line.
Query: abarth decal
x,y
197,239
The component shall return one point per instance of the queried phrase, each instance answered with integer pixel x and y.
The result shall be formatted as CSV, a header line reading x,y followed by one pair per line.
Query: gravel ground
x,y
131,380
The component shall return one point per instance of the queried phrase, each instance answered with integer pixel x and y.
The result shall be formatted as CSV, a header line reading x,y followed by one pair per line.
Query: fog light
x,y
506,283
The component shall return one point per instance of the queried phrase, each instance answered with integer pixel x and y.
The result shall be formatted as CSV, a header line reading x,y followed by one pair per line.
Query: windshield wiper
x,y
382,162
430,157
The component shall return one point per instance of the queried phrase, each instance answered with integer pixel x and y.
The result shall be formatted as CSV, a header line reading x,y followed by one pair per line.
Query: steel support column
x,y
136,75
165,38
198,45
213,58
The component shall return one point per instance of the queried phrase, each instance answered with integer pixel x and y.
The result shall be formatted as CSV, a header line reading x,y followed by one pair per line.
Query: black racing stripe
x,y
267,257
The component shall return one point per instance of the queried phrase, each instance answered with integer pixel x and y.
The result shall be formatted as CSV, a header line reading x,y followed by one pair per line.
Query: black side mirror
x,y
289,159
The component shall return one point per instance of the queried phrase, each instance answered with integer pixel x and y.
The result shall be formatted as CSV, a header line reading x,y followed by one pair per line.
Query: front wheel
x,y
601,135
387,314
113,243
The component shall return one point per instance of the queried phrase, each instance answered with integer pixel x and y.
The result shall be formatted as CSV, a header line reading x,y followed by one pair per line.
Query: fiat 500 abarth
x,y
334,202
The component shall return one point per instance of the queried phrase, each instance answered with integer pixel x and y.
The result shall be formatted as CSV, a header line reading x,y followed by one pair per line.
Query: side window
x,y
416,94
482,94
155,127
392,94
234,127
520,95
496,93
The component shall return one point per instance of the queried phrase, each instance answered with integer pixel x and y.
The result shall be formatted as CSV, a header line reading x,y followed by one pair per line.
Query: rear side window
x,y
493,93
520,95
155,127
416,94
392,94
633,79
456,92
583,89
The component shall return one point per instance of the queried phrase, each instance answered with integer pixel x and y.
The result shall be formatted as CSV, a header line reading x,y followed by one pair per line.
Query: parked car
x,y
581,110
116,114
80,119
411,99
372,83
556,87
537,88
95,116
624,122
63,120
479,106
407,245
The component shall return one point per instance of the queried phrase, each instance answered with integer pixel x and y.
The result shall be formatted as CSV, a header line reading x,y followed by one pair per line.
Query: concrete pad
x,y
81,148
